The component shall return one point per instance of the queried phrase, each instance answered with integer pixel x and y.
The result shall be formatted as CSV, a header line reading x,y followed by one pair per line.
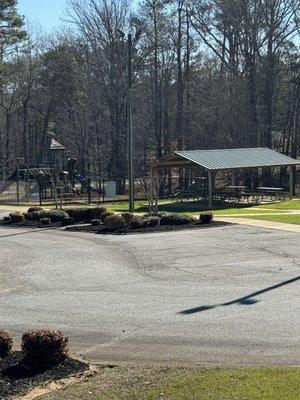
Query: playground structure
x,y
55,181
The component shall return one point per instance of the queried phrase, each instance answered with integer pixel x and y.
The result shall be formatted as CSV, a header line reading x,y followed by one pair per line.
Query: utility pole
x,y
129,114
129,126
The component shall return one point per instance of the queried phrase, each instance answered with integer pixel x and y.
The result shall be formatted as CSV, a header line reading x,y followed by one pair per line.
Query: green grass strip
x,y
287,219
171,384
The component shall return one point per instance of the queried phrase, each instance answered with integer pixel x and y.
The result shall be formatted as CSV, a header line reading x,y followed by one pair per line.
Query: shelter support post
x,y
18,187
291,181
210,189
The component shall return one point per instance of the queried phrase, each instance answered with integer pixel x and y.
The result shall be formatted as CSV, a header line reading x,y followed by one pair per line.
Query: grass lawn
x,y
287,219
242,211
189,208
170,383
283,205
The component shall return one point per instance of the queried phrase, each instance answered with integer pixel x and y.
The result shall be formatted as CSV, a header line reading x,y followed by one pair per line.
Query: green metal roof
x,y
222,159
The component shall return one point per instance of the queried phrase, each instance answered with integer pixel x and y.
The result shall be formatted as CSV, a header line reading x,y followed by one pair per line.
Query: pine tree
x,y
11,25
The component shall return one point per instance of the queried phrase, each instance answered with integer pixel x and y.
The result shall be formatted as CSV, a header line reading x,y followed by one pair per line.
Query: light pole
x,y
129,124
129,113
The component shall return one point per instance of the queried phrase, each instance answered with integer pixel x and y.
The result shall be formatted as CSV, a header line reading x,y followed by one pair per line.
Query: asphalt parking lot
x,y
226,295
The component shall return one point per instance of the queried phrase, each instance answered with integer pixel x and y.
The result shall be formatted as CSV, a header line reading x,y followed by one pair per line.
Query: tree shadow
x,y
246,300
32,230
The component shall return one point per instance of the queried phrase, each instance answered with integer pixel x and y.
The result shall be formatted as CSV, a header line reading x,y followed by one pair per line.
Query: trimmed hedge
x,y
128,216
153,221
139,222
96,222
45,221
55,215
115,222
145,221
44,348
16,217
176,219
6,343
85,214
206,218
96,212
79,214
106,214
33,209
34,215
68,221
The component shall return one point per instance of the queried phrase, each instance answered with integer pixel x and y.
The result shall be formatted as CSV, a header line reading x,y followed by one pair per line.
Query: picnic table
x,y
190,195
275,193
236,187
234,193
270,189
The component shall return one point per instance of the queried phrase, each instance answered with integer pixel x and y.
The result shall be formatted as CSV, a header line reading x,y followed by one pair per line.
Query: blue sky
x,y
46,13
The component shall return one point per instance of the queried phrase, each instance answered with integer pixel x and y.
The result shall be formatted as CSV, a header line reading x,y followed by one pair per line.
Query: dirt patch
x,y
59,385
17,380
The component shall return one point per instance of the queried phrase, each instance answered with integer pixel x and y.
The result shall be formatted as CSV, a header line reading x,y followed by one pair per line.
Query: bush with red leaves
x,y
6,343
44,348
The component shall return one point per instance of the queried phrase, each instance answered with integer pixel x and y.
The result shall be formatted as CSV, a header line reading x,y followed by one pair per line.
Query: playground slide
x,y
84,182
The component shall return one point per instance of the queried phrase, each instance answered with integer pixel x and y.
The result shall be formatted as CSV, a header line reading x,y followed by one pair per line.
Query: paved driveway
x,y
227,295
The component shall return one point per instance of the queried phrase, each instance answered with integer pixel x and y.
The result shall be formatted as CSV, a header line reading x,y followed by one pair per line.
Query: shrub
x,y
139,222
106,214
16,217
175,219
128,217
85,214
33,209
44,348
45,221
79,214
6,343
55,215
153,221
143,221
115,222
96,212
34,215
96,222
68,221
206,218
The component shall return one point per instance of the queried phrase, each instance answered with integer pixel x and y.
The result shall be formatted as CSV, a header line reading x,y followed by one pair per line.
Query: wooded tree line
x,y
207,74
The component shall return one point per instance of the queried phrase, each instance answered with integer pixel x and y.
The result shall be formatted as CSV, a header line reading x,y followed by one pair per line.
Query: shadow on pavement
x,y
25,232
246,300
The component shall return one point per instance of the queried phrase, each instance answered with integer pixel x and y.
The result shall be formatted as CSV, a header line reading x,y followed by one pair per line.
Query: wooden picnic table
x,y
238,188
274,193
189,194
270,189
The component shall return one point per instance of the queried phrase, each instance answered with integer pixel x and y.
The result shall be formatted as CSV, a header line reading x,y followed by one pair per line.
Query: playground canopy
x,y
227,160
55,145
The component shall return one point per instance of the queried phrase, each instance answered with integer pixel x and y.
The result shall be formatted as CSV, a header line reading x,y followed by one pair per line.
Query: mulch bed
x,y
88,228
160,228
16,380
